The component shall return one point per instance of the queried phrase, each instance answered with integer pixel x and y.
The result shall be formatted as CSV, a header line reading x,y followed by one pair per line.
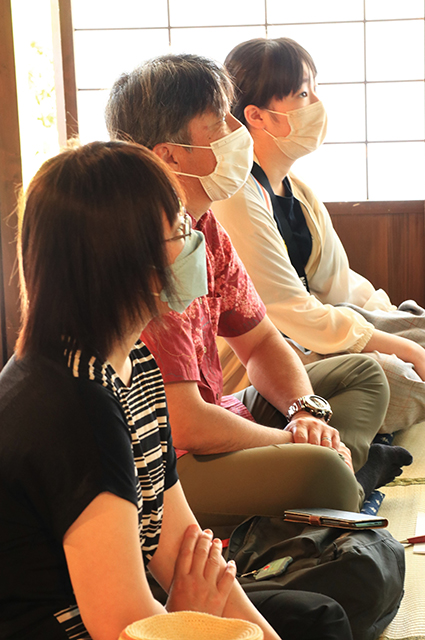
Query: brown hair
x,y
263,69
89,239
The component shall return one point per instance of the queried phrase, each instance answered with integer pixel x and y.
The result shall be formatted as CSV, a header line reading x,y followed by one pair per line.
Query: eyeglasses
x,y
185,228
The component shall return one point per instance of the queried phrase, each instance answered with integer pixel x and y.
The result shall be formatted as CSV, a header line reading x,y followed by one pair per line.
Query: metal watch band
x,y
303,404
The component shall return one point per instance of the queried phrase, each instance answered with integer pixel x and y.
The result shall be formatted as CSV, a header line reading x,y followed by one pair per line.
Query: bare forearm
x,y
403,348
102,547
165,565
203,428
278,373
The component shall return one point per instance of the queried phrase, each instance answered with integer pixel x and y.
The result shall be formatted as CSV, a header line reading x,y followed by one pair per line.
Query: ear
x,y
169,153
254,116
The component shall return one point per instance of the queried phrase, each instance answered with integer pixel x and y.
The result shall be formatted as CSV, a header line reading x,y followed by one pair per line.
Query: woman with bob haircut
x,y
88,487
285,238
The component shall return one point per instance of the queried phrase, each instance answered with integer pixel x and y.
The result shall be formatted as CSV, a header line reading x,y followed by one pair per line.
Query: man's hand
x,y
202,580
307,429
345,453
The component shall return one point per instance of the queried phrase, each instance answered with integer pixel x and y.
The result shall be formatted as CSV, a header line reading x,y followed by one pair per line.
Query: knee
x,y
367,368
369,374
331,620
321,458
323,478
303,614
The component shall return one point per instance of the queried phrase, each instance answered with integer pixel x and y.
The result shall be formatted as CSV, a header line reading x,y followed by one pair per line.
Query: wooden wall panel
x,y
385,242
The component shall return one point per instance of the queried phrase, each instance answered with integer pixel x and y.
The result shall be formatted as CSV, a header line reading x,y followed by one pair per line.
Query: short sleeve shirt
x,y
67,434
184,344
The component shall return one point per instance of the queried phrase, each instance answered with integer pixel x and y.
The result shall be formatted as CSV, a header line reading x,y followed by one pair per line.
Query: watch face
x,y
318,403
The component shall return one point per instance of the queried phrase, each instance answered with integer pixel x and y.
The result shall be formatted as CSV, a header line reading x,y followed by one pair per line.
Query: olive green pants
x,y
224,489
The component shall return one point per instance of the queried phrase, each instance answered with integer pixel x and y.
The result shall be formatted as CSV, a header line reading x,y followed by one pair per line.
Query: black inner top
x,y
291,208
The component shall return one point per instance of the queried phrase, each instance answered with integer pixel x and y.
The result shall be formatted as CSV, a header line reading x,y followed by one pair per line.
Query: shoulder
x,y
63,440
42,401
220,251
305,194
250,196
35,382
211,228
245,215
143,361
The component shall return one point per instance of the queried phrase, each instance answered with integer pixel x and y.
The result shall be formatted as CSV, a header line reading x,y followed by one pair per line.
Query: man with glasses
x,y
232,459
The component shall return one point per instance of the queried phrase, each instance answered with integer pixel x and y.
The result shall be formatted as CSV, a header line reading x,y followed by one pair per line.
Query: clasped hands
x,y
307,429
202,579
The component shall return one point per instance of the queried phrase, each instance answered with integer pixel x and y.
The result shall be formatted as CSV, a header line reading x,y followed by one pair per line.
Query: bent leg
x,y
302,615
407,402
357,390
226,489
358,393
407,393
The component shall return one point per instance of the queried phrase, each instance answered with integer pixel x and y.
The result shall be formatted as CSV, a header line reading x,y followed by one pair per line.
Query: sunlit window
x,y
32,34
371,77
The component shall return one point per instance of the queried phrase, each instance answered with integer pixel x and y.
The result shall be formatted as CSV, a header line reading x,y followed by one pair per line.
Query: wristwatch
x,y
316,405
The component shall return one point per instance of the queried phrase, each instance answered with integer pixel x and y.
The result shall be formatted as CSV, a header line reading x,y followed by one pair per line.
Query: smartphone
x,y
273,569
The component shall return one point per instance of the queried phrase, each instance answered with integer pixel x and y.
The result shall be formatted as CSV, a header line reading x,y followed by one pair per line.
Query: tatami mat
x,y
413,440
403,500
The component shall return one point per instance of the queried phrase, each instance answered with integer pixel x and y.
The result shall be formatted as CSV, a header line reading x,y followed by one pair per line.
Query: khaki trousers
x,y
225,489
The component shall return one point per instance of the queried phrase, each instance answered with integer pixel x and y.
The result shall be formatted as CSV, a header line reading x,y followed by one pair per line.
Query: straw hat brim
x,y
191,625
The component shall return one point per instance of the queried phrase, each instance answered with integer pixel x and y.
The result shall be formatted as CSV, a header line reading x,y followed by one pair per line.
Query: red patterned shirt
x,y
184,345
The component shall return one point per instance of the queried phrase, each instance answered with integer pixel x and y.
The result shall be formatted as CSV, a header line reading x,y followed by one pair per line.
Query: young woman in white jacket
x,y
275,97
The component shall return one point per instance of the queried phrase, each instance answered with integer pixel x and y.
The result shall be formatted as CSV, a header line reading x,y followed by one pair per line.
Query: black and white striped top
x,y
145,410
85,432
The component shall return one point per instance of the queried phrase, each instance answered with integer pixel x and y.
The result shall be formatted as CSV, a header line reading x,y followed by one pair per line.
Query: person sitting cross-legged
x,y
272,446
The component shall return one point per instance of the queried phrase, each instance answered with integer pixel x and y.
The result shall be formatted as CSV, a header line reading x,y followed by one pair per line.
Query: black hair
x,y
90,243
263,69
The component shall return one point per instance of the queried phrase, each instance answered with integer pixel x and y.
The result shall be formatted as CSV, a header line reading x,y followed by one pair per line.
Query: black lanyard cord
x,y
283,225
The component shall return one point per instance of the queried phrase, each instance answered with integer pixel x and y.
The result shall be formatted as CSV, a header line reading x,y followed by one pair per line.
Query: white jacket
x,y
310,319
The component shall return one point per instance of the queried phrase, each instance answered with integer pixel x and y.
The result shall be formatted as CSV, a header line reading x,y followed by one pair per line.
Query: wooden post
x,y
63,60
10,181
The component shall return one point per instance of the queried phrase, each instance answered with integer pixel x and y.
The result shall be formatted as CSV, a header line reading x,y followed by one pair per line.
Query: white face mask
x,y
308,130
234,154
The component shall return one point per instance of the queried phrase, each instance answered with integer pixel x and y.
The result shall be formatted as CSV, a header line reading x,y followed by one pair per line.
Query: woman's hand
x,y
202,580
178,530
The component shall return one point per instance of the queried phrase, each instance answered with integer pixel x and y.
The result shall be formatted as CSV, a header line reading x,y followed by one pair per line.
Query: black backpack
x,y
362,570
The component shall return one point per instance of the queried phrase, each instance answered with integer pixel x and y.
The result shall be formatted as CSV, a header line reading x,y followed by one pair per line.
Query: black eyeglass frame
x,y
185,228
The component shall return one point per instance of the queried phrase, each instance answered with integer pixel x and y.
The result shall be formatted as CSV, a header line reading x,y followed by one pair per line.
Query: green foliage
x,y
41,85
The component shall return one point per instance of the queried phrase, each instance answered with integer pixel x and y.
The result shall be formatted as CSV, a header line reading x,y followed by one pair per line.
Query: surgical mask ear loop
x,y
234,155
279,113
